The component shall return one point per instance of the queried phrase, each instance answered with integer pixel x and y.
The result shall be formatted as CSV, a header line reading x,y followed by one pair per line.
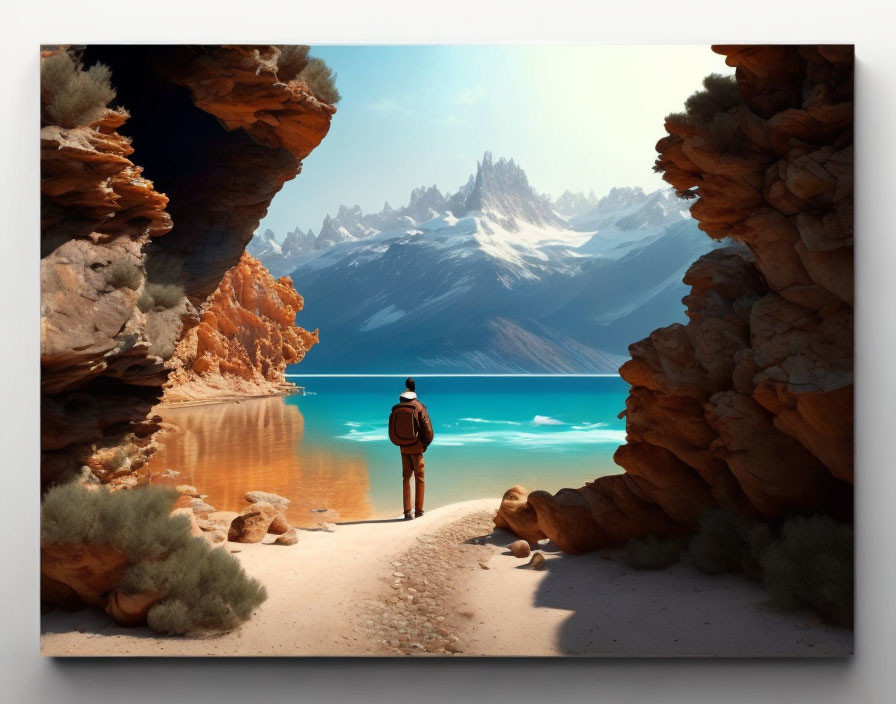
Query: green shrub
x,y
71,96
206,589
651,553
321,80
293,58
122,274
136,521
812,566
145,302
722,543
202,588
162,339
759,538
160,296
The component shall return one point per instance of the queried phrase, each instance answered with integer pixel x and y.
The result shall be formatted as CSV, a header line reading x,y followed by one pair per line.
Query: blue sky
x,y
573,116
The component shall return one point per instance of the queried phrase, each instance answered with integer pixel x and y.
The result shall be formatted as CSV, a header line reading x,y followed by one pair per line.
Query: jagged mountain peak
x,y
571,204
501,190
621,198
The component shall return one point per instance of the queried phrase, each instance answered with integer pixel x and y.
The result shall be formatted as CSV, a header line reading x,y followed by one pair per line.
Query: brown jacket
x,y
426,434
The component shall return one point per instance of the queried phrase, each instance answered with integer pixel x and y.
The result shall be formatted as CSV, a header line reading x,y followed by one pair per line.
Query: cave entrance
x,y
217,181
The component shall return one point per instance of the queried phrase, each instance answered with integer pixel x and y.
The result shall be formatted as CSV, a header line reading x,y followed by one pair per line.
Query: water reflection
x,y
227,449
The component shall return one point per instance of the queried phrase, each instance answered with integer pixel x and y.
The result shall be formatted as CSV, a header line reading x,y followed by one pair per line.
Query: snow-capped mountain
x,y
279,257
492,279
571,205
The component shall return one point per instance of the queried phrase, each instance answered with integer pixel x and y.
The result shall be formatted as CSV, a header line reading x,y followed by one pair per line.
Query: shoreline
x,y
460,592
229,398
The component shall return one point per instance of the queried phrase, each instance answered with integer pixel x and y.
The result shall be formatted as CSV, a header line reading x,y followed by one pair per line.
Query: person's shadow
x,y
372,520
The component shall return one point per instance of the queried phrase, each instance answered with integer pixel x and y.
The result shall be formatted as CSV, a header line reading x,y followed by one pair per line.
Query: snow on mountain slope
x,y
570,205
499,282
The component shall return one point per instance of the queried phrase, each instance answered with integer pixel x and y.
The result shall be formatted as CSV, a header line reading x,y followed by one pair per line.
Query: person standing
x,y
411,430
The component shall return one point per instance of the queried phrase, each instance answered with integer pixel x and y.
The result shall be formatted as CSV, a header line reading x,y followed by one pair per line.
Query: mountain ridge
x,y
493,279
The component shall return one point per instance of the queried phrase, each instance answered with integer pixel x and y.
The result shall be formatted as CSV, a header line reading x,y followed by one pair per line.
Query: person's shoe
x,y
417,514
408,516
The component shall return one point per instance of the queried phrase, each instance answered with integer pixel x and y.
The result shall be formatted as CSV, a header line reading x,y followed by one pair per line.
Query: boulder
x,y
130,609
216,536
187,490
253,522
291,537
279,525
254,497
537,562
199,507
519,548
517,516
206,525
59,594
90,571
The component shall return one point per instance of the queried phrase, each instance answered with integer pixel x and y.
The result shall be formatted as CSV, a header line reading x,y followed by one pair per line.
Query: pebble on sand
x,y
520,548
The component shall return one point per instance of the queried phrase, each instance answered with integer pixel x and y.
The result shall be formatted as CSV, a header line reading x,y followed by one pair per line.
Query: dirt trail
x,y
331,594
444,584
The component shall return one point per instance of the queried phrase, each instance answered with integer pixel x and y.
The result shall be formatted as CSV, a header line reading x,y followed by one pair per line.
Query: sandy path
x,y
585,605
318,595
419,587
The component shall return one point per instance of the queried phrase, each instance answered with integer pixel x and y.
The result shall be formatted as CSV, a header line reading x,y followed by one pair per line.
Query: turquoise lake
x,y
328,449
490,432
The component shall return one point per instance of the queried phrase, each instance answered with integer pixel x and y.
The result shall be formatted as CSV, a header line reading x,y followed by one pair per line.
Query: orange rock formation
x,y
750,405
219,133
97,363
245,338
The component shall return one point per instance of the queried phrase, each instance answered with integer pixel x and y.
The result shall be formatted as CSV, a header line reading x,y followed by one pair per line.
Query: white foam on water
x,y
588,426
492,422
506,438
546,420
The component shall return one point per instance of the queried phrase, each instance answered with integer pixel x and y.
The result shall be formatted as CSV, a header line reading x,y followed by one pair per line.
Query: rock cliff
x,y
749,405
218,133
245,338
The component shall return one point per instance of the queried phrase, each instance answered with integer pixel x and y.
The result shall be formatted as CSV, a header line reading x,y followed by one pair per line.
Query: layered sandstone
x,y
245,338
750,405
99,376
218,134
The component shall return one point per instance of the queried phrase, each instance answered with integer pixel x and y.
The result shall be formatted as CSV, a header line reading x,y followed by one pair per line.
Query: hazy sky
x,y
572,116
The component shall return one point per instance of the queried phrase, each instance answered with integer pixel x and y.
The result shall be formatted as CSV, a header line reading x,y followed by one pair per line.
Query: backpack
x,y
404,429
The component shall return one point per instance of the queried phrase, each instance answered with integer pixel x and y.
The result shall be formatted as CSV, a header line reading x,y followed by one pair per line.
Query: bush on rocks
x,y
200,588
163,296
722,542
650,553
123,274
803,563
69,95
321,80
292,59
812,566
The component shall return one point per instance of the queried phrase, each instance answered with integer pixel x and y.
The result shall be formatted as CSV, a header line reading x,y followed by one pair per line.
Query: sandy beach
x,y
446,584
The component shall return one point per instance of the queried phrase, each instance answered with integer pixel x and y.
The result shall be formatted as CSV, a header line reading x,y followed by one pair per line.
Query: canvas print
x,y
446,350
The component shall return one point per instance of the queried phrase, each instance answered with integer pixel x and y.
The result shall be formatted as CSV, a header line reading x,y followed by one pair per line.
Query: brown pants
x,y
412,465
